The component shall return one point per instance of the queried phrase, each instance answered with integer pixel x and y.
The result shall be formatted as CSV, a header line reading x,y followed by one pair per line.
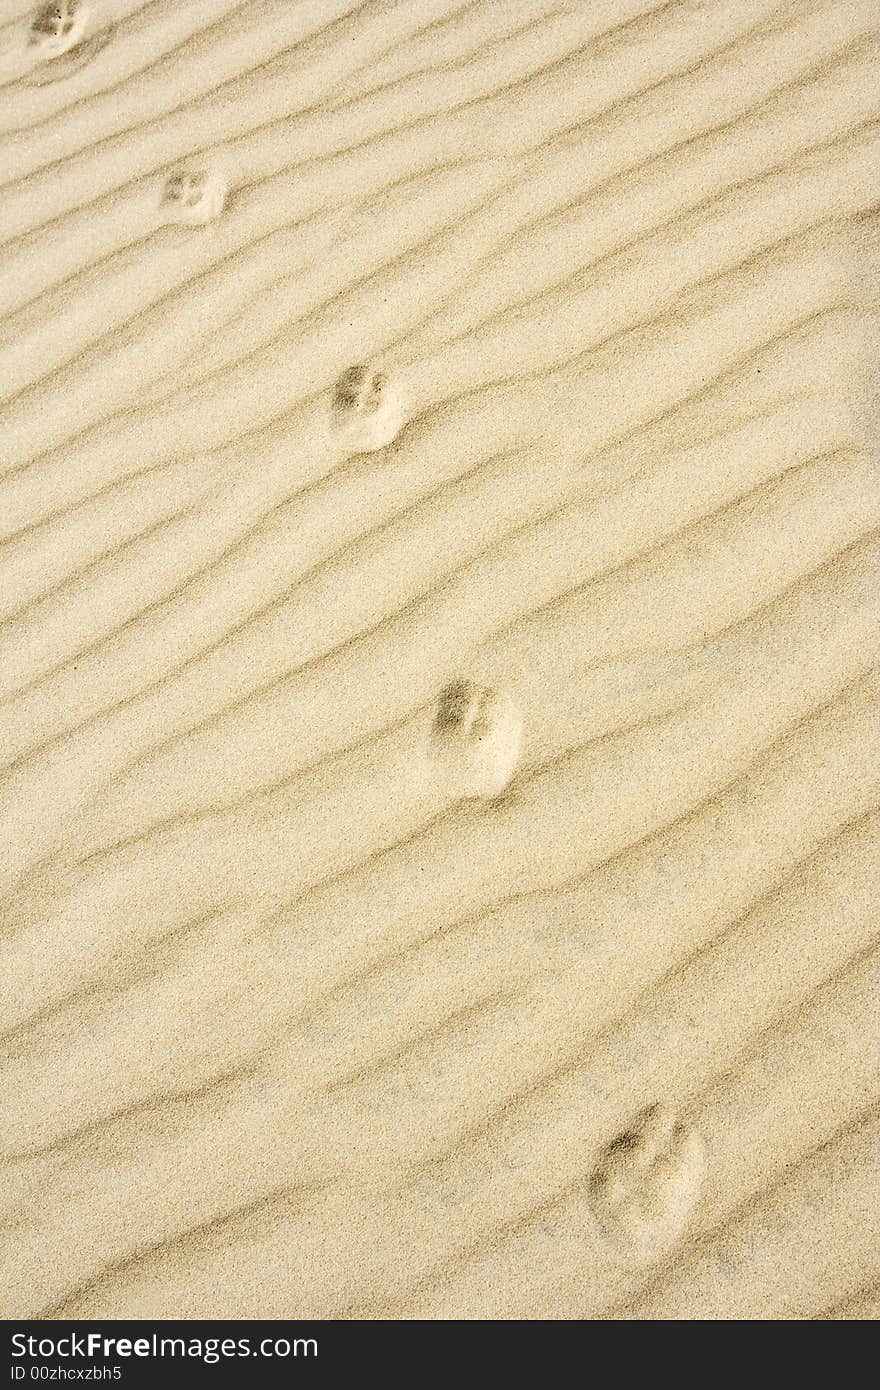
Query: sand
x,y
438,725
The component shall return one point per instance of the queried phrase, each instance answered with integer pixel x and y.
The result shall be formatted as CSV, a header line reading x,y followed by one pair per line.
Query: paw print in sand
x,y
58,28
475,739
366,410
648,1179
193,197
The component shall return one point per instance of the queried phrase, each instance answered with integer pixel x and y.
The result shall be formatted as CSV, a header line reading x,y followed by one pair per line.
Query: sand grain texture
x,y
438,694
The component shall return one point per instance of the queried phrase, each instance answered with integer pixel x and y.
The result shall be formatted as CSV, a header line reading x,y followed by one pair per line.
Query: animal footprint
x,y
648,1179
476,739
58,28
366,410
193,197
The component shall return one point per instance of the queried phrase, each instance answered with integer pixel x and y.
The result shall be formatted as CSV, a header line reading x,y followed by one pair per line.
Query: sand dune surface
x,y
438,659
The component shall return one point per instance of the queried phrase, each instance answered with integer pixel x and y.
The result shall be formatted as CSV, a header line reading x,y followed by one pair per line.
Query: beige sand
x,y
439,829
